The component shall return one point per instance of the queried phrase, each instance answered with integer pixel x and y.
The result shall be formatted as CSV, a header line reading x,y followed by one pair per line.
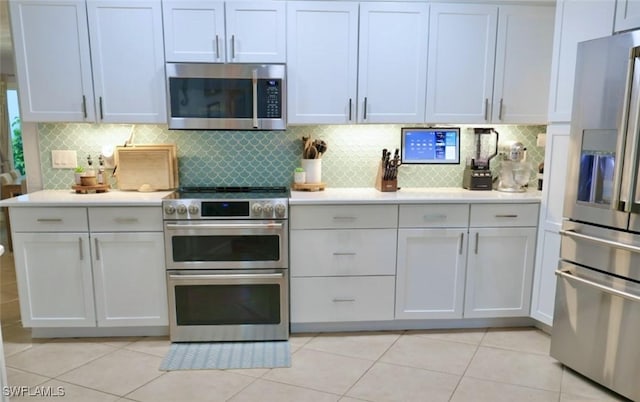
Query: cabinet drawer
x,y
344,216
125,219
343,252
364,298
48,219
486,215
434,216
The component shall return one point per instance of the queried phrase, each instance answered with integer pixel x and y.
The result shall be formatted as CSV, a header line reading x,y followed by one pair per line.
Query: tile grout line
x,y
468,364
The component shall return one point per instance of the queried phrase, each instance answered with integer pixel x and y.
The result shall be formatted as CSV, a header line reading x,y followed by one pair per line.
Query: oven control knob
x,y
170,210
280,210
268,209
182,209
193,209
256,209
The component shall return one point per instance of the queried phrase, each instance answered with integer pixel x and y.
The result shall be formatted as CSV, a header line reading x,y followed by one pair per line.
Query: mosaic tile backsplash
x,y
268,158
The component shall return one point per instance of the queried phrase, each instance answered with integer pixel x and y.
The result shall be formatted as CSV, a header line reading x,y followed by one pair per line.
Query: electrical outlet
x,y
64,159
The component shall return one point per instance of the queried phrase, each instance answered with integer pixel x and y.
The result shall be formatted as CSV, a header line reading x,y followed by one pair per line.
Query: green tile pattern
x,y
268,158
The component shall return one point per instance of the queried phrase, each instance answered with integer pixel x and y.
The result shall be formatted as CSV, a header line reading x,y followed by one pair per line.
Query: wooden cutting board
x,y
155,165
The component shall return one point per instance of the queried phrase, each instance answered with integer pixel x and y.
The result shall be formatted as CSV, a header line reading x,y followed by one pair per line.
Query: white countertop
x,y
409,196
67,198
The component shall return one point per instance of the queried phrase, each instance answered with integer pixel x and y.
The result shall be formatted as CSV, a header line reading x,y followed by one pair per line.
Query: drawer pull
x,y
49,220
339,254
125,220
506,216
435,217
344,218
342,300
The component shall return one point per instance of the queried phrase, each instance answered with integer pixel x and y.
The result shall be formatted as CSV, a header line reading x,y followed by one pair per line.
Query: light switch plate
x,y
64,159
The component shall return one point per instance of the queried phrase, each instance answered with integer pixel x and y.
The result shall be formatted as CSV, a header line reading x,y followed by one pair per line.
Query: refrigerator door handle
x,y
598,240
624,190
567,274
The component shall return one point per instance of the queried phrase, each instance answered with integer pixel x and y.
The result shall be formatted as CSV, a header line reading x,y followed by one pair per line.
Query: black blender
x,y
477,174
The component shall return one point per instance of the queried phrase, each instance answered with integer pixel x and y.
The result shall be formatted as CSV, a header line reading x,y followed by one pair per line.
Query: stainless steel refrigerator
x,y
596,326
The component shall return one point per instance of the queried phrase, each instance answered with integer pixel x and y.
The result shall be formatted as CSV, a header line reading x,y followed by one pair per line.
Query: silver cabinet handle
x,y
80,248
500,110
97,249
610,243
172,226
49,220
84,106
217,48
365,108
486,108
339,254
343,300
477,241
615,292
350,108
434,217
233,46
255,97
101,113
461,243
506,216
344,218
125,220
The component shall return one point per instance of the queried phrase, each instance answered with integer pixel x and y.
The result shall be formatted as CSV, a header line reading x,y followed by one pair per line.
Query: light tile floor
x,y
477,365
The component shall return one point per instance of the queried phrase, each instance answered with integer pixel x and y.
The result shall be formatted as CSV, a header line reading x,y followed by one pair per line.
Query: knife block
x,y
385,185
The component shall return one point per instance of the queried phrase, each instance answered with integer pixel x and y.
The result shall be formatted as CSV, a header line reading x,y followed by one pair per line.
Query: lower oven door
x,y
228,305
596,327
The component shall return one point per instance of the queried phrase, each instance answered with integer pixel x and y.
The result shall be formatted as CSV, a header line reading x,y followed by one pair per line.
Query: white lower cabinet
x,y
79,267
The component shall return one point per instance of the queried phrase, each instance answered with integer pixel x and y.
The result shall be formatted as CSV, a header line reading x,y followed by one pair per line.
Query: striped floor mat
x,y
227,355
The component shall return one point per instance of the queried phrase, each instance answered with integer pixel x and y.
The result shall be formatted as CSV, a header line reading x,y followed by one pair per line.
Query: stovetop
x,y
229,193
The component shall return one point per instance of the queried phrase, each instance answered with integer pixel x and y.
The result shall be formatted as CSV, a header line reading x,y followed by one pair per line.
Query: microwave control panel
x,y
270,98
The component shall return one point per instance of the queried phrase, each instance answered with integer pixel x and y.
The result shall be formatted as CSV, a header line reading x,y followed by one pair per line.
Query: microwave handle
x,y
255,97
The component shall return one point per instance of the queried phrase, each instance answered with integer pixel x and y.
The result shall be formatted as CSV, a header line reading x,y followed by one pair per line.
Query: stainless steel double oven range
x,y
227,257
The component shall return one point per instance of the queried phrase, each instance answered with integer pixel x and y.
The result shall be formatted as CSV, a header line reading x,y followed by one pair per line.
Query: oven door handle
x,y
229,276
572,278
204,226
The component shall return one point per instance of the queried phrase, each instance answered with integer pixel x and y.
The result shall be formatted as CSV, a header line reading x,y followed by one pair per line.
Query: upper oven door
x,y
226,96
226,244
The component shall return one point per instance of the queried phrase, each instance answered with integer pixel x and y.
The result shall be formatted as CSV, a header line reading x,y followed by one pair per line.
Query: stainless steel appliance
x,y
227,256
596,323
226,96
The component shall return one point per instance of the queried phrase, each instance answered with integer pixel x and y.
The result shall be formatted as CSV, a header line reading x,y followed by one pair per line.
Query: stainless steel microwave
x,y
226,96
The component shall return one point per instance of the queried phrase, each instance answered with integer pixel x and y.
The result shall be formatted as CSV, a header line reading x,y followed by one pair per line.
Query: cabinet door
x,y
54,279
246,43
576,21
627,15
194,31
499,272
548,244
392,61
51,43
430,273
130,282
128,60
462,40
322,62
523,63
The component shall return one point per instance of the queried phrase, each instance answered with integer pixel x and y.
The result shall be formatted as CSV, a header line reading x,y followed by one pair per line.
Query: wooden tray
x,y
98,188
155,165
308,186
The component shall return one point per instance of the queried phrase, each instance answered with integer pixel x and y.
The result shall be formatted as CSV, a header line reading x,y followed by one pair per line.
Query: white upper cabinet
x,y
462,40
627,15
194,31
53,63
128,61
219,32
392,61
576,21
523,62
58,70
322,62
